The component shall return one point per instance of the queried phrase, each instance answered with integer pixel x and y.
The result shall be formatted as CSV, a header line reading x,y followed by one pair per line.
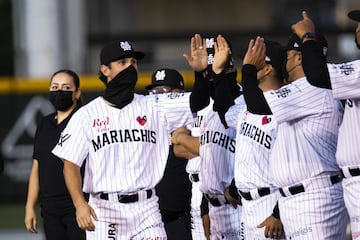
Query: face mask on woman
x,y
62,100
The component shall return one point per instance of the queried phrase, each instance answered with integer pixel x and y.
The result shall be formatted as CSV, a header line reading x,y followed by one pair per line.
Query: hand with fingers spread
x,y
273,228
256,53
303,26
221,55
198,59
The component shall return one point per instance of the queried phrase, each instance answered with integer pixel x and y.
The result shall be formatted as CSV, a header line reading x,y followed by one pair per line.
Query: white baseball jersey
x,y
255,137
125,149
217,152
309,120
345,82
193,167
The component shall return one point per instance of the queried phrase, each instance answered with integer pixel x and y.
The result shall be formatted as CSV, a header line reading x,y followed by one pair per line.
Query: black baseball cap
x,y
117,50
209,42
295,43
354,15
275,54
166,77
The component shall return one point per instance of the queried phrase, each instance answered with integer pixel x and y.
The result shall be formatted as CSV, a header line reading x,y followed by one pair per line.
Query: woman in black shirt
x,y
46,182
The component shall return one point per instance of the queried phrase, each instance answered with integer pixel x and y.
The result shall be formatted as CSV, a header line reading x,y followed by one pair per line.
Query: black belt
x,y
262,192
194,177
214,201
299,188
127,198
353,172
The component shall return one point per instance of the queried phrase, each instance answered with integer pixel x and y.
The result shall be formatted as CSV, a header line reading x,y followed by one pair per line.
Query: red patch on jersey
x,y
265,120
141,120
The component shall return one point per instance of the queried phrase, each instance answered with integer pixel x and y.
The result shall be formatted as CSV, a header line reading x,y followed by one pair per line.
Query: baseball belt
x,y
127,198
261,192
194,177
216,201
299,188
350,172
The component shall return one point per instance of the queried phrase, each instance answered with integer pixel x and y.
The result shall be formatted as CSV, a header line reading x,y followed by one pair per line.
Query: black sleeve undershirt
x,y
314,65
254,97
200,94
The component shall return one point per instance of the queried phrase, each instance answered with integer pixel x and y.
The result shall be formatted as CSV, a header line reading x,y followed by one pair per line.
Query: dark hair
x,y
74,77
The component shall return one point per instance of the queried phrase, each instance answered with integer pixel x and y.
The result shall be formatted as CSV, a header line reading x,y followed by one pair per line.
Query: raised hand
x,y
256,53
303,26
221,56
198,57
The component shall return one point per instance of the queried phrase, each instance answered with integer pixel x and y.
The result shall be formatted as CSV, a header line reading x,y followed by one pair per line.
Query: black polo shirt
x,y
54,195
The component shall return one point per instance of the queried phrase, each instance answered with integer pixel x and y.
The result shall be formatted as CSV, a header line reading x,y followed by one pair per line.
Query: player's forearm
x,y
314,65
33,186
190,143
181,151
73,183
255,100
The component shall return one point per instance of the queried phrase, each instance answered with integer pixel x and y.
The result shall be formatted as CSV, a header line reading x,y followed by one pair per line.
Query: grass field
x,y
12,216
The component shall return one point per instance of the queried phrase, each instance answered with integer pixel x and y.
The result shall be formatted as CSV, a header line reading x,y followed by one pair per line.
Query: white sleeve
x,y
296,100
72,145
233,113
345,79
176,107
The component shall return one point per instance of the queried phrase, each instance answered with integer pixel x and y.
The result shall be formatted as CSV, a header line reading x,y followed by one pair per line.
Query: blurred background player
x,y
344,79
174,189
46,182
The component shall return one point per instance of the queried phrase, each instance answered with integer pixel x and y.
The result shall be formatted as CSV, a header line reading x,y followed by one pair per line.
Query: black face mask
x,y
120,90
62,100
284,72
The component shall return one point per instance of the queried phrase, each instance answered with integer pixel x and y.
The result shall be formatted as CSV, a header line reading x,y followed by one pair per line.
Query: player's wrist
x,y
308,36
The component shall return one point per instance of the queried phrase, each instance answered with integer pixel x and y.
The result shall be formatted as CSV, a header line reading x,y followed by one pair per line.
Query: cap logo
x,y
209,42
125,46
210,58
325,49
160,75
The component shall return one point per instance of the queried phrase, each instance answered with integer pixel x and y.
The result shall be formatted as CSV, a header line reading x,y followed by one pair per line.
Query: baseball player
x,y
191,144
46,181
217,143
345,83
174,189
256,133
302,161
125,138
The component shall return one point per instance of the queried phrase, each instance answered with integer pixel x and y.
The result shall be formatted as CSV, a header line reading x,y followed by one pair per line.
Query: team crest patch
x,y
141,120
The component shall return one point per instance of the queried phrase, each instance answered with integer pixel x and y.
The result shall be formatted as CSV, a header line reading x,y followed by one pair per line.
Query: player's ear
x,y
299,58
267,69
78,94
105,70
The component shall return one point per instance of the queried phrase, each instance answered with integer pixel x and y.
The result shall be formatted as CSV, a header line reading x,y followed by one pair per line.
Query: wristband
x,y
308,35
